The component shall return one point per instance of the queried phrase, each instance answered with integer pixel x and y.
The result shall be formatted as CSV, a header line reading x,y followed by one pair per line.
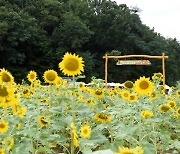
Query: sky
x,y
162,15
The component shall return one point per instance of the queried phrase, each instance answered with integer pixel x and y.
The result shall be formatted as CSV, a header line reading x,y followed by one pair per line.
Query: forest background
x,y
35,34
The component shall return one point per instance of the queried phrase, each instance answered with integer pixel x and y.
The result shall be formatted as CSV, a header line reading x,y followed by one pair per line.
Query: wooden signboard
x,y
133,62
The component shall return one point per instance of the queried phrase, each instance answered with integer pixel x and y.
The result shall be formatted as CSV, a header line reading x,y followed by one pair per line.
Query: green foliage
x,y
36,34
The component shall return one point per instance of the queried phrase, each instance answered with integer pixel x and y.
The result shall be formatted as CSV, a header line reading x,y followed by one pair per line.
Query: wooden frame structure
x,y
163,57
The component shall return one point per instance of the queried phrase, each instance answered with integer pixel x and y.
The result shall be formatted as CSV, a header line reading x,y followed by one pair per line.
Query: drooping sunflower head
x,y
43,121
6,77
59,81
50,76
3,126
143,86
164,108
32,75
86,131
128,84
102,117
71,64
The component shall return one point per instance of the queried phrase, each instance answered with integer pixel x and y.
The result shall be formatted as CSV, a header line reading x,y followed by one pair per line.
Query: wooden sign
x,y
133,62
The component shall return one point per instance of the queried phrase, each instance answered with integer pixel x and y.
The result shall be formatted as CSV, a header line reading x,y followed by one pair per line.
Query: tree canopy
x,y
34,35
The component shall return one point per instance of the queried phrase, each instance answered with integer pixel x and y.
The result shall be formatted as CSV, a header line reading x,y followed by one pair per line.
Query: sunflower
x,y
99,93
43,121
178,112
102,117
153,95
157,76
21,112
85,131
132,98
3,91
6,77
164,108
50,76
9,142
2,151
178,93
58,81
143,86
71,65
26,93
146,114
32,75
172,104
81,85
128,84
125,94
124,150
3,126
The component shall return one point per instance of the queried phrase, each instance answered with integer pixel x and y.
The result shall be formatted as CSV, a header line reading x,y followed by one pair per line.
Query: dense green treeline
x,y
34,35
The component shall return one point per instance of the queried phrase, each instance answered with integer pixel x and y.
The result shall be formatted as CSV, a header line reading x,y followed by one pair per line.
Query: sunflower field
x,y
57,116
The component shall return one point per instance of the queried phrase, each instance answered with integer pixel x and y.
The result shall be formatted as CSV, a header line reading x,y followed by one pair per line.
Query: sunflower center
x,y
132,97
98,92
25,91
43,121
5,77
3,91
85,131
72,64
153,94
51,76
101,116
2,126
144,85
171,104
165,108
126,95
32,76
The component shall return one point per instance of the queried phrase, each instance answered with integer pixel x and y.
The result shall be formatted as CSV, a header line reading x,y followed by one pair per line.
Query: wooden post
x,y
163,70
106,68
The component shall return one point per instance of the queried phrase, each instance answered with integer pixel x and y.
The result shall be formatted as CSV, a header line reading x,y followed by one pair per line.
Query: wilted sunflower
x,y
124,150
143,86
102,117
71,65
50,76
6,77
164,108
128,84
146,114
85,131
43,121
9,142
3,126
32,75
